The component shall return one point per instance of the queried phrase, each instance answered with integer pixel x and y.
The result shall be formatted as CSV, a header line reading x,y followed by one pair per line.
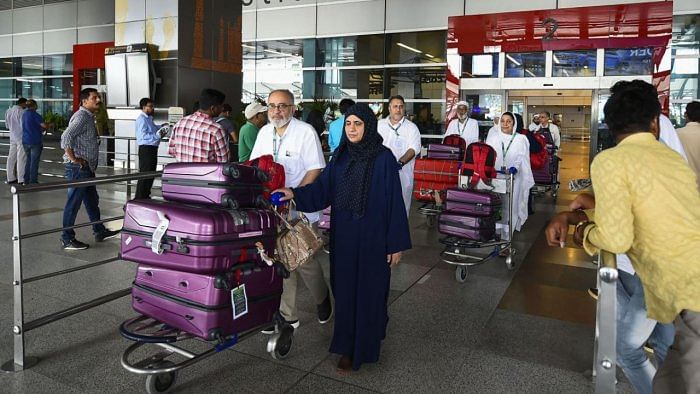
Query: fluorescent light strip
x,y
276,52
430,56
247,46
402,45
517,63
556,60
530,72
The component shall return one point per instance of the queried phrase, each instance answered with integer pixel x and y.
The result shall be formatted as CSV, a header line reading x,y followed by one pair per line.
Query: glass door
x,y
485,106
601,138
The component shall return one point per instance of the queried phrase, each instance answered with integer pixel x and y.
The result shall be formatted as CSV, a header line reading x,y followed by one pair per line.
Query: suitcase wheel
x,y
232,171
280,344
229,202
163,382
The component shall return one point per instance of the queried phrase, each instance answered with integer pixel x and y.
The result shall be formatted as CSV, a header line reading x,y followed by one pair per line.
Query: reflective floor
x,y
527,330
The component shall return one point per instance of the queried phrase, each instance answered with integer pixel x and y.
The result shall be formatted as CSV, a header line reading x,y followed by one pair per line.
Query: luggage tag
x,y
157,237
239,301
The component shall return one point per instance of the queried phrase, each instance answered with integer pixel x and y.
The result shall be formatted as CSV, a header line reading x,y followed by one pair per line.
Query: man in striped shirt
x,y
197,137
82,148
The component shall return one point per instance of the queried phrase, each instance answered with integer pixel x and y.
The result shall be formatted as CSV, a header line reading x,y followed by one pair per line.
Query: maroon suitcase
x,y
200,239
473,202
231,185
201,304
444,152
477,228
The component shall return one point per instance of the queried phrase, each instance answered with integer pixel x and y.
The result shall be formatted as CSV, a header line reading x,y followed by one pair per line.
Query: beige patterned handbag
x,y
297,241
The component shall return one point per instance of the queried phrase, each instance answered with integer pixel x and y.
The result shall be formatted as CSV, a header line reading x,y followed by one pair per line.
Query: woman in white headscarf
x,y
513,150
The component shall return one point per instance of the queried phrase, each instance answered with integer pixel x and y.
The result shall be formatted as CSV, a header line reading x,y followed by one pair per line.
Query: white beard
x,y
462,118
278,123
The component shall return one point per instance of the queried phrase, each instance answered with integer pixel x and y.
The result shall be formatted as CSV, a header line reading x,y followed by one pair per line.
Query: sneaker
x,y
107,234
271,330
647,348
325,310
74,244
11,182
593,292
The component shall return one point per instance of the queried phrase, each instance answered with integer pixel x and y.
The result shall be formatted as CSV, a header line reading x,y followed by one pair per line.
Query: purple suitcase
x,y
231,185
473,202
547,174
464,226
444,152
201,304
198,239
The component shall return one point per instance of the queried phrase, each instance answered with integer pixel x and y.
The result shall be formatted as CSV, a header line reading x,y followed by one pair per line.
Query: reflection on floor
x,y
527,330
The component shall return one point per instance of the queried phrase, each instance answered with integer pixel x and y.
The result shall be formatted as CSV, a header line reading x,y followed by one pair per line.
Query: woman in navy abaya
x,y
369,230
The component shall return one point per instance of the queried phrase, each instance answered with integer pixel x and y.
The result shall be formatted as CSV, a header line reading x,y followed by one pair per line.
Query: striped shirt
x,y
81,136
197,138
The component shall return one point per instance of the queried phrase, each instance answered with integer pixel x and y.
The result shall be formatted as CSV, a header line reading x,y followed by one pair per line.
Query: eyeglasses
x,y
281,107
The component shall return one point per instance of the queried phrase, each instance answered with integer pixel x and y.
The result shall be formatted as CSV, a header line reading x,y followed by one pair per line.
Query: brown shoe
x,y
345,364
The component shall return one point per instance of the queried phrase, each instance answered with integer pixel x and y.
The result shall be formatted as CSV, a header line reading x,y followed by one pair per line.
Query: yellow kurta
x,y
648,206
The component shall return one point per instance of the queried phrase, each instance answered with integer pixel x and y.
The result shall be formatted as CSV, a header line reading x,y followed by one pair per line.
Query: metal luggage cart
x,y
430,211
460,251
553,185
161,373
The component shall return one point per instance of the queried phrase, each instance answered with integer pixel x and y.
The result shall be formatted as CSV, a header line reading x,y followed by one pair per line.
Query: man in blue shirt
x,y
33,127
148,139
336,128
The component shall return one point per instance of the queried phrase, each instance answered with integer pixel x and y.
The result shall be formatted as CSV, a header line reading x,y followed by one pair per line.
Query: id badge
x,y
239,301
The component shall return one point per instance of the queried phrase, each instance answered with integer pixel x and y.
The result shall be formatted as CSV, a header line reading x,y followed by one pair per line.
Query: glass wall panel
x,y
29,66
349,51
527,65
418,83
429,117
356,84
60,88
573,63
632,61
271,65
416,47
7,89
63,108
29,87
58,64
6,67
480,66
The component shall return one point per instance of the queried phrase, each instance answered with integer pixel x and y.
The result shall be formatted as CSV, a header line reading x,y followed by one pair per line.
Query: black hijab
x,y
353,187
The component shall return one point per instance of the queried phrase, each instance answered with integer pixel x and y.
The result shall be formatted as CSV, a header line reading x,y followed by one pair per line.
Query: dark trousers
x,y
31,171
148,159
77,196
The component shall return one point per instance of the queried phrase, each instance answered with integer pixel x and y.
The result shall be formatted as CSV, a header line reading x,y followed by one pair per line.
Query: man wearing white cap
x,y
464,126
256,114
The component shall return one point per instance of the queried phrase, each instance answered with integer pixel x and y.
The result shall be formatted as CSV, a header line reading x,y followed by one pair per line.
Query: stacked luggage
x,y
470,214
549,173
439,170
199,253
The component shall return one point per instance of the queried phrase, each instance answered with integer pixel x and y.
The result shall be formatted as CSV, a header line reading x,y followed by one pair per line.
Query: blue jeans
x,y
31,170
80,195
633,330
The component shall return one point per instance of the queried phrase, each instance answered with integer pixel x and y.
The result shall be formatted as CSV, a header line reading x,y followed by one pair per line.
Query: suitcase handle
x,y
183,284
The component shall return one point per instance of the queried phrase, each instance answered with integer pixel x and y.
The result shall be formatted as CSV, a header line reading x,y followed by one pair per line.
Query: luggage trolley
x,y
458,251
547,178
161,373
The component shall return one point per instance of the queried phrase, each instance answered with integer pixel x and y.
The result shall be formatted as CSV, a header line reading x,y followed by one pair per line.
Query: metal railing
x,y
604,357
19,362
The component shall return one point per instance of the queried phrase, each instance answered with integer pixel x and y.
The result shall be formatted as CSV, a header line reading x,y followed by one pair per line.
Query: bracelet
x,y
581,224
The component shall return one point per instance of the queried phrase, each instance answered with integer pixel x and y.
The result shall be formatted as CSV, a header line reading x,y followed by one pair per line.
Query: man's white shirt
x,y
399,139
468,130
298,150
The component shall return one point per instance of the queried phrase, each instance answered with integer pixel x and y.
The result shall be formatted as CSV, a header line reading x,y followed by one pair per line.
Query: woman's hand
x,y
393,259
288,193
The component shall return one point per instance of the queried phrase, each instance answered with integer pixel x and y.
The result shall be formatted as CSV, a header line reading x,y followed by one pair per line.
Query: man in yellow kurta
x,y
647,205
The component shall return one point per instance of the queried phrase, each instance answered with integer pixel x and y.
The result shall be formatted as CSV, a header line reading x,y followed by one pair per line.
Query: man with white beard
x,y
295,145
464,126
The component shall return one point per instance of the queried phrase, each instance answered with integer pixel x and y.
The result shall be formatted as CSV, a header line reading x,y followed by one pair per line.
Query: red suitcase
x,y
231,185
432,170
473,202
466,226
201,304
197,238
425,191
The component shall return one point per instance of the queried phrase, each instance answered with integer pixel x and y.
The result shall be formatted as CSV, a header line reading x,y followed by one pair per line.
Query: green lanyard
x,y
465,126
505,150
275,146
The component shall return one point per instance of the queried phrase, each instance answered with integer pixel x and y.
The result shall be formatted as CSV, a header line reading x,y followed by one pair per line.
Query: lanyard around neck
x,y
276,146
396,130
463,128
505,149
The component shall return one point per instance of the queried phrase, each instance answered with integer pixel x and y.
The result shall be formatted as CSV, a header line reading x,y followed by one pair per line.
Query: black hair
x,y
632,107
397,97
31,103
345,104
85,93
315,119
226,108
509,114
693,111
144,102
549,116
286,92
210,97
21,101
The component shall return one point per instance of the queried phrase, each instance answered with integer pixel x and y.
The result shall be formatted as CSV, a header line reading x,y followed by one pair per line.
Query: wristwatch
x,y
400,163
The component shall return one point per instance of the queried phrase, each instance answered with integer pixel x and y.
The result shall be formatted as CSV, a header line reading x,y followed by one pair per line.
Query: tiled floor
x,y
528,330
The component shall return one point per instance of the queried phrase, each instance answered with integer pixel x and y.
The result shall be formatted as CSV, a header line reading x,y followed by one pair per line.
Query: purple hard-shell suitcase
x,y
200,239
473,202
548,173
201,304
231,185
476,228
444,152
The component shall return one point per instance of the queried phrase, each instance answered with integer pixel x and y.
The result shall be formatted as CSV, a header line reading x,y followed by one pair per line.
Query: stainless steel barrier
x,y
604,357
20,327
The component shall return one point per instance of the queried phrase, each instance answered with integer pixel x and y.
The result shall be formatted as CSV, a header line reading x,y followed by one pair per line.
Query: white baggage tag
x,y
157,237
239,301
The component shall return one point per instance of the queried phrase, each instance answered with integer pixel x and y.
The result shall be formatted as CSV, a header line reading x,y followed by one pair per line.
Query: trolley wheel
x,y
461,273
280,344
430,221
163,382
509,263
